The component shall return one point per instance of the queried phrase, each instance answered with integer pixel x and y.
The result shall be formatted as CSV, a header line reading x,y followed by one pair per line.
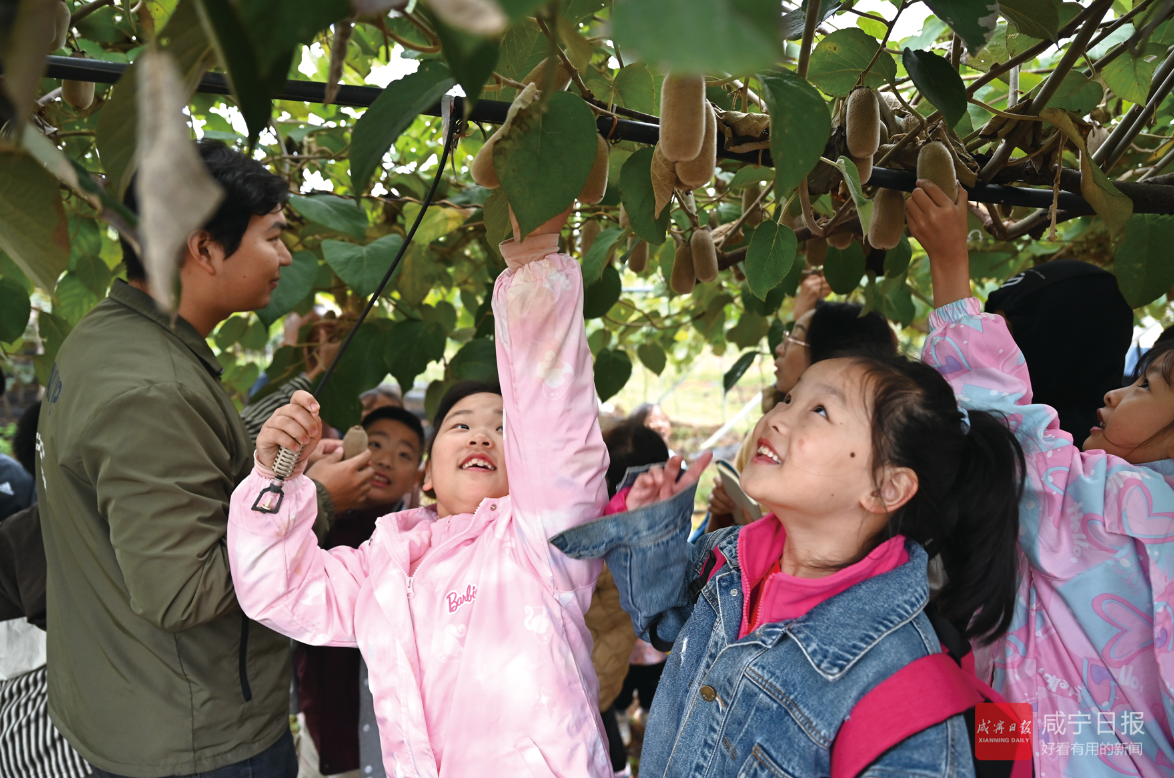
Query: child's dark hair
x,y
970,479
838,327
249,190
24,442
403,416
454,395
631,444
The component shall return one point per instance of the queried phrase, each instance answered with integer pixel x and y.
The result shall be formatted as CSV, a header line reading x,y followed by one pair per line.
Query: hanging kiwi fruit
x,y
888,219
935,163
696,173
817,251
596,186
588,232
562,79
638,259
682,116
863,123
753,212
704,255
840,240
684,277
61,20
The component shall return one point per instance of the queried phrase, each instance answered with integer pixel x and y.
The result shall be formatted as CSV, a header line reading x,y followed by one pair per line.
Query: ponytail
x,y
970,478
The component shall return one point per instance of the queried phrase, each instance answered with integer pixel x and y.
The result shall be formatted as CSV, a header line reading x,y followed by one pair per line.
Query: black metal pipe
x,y
493,112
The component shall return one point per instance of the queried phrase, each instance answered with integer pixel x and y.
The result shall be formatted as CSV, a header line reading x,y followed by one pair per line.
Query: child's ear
x,y
897,487
427,484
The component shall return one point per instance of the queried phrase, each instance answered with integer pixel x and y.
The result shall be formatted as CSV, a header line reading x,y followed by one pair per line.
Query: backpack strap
x,y
925,692
707,570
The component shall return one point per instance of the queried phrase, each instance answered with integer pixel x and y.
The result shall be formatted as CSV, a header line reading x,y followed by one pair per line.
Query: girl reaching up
x,y
1091,640
471,624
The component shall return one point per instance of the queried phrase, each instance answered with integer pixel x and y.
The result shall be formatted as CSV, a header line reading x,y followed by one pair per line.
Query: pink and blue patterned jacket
x,y
1090,646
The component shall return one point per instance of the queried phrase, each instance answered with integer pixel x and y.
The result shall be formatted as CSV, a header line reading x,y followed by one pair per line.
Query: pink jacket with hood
x,y
471,625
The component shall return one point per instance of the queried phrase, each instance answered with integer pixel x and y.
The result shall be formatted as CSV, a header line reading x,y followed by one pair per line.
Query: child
x,y
470,623
1091,638
328,676
864,464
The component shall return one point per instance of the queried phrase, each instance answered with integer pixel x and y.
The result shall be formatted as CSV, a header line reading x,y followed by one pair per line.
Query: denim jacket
x,y
771,703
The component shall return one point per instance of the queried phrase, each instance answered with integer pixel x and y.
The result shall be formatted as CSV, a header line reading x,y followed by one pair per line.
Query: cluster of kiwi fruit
x,y
688,141
79,94
870,120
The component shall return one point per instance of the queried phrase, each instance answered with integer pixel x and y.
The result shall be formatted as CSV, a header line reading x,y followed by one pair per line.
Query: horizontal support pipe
x,y
494,112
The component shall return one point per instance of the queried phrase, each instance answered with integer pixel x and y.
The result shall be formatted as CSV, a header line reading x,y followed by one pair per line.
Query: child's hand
x,y
940,227
660,483
295,426
347,481
813,289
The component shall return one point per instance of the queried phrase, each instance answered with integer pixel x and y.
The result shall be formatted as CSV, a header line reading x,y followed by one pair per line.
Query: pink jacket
x,y
471,625
1091,644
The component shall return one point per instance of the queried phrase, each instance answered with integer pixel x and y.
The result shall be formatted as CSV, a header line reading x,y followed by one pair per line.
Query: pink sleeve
x,y
554,450
282,578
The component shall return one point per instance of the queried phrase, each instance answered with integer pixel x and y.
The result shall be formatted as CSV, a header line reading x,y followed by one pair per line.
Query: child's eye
x,y
1145,383
822,411
501,429
460,426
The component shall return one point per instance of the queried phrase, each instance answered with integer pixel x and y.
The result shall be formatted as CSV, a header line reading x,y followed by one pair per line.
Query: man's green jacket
x,y
154,670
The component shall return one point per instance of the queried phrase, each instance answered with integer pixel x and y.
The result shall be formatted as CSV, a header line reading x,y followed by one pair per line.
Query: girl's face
x,y
1133,423
467,464
792,358
395,458
813,466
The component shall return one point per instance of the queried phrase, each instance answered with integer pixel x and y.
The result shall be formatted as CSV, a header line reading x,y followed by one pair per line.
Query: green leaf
x,y
775,334
497,220
1037,18
256,337
231,331
752,174
603,294
476,361
871,26
296,282
471,58
931,29
229,35
74,300
92,272
800,127
1129,77
14,310
1079,93
843,268
735,36
737,370
937,80
52,331
652,357
897,258
852,179
790,284
613,368
361,367
393,112
973,20
639,200
749,331
1143,262
769,258
411,347
792,22
332,211
545,159
438,222
33,228
362,267
841,57
597,255
635,88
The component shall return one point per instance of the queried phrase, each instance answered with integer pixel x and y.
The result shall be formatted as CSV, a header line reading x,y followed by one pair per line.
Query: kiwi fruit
x,y
749,197
696,173
482,167
863,168
863,123
562,78
817,249
704,255
684,277
1096,139
888,219
682,116
840,240
910,123
935,163
587,235
354,442
624,224
61,20
596,185
638,259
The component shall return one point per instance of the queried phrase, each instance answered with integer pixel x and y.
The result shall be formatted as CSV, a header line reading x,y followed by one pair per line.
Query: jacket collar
x,y
143,304
836,633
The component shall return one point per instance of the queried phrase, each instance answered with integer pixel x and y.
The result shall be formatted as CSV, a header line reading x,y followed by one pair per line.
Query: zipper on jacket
x,y
411,591
244,655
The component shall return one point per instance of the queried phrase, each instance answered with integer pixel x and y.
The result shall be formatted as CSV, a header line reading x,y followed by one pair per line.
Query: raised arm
x,y
283,579
553,447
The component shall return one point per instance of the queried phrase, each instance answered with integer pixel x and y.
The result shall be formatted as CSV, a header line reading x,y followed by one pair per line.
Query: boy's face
x,y
395,458
246,279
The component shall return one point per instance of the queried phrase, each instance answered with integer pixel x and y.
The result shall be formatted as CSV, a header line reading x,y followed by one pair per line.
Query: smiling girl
x,y
1091,644
471,624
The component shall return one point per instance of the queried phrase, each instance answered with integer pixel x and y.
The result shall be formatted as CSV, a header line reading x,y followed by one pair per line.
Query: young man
x,y
153,668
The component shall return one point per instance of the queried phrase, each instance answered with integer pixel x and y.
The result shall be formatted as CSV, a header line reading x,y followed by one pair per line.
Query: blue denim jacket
x,y
771,703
